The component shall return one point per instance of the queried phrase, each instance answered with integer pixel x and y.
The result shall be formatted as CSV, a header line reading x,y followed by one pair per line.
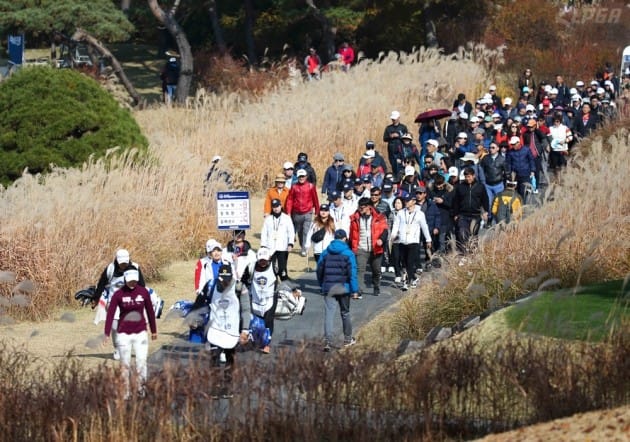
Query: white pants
x,y
139,343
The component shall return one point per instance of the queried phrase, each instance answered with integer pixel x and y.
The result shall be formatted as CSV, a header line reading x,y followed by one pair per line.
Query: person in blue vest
x,y
337,277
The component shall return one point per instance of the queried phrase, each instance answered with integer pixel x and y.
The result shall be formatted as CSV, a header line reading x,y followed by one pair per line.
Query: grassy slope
x,y
589,313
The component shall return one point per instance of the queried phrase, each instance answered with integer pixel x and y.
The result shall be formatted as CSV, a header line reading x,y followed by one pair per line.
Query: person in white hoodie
x,y
408,225
278,235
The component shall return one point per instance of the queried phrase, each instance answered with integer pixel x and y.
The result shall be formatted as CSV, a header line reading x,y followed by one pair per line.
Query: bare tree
x,y
216,27
167,19
249,33
328,31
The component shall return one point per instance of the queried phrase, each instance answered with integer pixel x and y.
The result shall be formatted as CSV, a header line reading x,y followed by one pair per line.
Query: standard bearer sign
x,y
233,211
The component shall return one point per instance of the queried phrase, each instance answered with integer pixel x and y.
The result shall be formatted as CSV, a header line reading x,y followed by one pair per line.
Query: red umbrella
x,y
433,114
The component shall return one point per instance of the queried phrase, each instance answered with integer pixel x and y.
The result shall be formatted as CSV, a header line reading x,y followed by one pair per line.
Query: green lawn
x,y
588,314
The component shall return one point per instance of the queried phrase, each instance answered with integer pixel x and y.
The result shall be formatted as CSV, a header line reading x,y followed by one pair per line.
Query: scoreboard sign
x,y
233,211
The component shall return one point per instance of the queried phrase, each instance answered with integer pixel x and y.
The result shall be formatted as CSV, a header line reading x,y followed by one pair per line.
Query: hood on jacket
x,y
337,246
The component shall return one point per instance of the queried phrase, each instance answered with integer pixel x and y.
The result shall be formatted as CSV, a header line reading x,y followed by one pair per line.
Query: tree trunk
x,y
328,31
186,63
216,28
430,35
81,35
249,33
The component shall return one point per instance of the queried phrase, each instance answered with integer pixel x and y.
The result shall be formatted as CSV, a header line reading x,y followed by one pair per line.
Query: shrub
x,y
58,117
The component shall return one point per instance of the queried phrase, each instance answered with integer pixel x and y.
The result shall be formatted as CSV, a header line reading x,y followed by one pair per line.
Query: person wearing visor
x,y
133,302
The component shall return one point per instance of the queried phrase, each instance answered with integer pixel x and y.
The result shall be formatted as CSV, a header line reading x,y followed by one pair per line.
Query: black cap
x,y
387,187
325,207
347,186
302,156
340,234
366,179
276,202
225,272
369,144
358,181
332,196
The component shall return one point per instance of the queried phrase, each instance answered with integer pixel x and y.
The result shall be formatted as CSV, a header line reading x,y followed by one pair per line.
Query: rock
x,y
407,346
443,334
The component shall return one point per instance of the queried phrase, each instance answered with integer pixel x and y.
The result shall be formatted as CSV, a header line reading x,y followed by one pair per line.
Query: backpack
x,y
504,212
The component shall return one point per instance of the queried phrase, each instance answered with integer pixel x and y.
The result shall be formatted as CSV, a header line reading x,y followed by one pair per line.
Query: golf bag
x,y
290,302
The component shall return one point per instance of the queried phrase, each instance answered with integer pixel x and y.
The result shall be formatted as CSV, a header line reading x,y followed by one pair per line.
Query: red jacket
x,y
302,199
379,230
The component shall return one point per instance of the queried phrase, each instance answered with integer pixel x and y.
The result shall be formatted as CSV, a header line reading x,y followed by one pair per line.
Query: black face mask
x,y
276,215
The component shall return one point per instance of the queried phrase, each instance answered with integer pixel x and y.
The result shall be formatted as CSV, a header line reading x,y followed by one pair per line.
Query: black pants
x,y
467,227
270,314
279,262
409,256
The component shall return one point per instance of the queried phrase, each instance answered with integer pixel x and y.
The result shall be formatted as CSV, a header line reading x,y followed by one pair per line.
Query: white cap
x,y
213,244
474,120
600,90
409,171
301,172
452,171
572,91
263,253
530,107
122,256
395,115
433,142
496,115
132,275
553,91
369,154
515,140
548,88
463,115
462,135
507,101
594,83
287,165
576,97
481,115
579,83
493,88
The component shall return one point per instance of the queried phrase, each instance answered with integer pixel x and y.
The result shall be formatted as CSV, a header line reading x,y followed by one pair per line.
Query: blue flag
x,y
16,49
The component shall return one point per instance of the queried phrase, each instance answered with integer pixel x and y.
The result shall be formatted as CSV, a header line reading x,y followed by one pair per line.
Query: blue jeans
x,y
492,191
330,305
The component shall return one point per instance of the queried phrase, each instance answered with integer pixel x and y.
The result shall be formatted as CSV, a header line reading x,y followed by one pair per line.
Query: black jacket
x,y
470,199
492,170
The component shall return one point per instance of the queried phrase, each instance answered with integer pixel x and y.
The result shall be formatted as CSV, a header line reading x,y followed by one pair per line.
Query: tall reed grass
x,y
60,230
441,393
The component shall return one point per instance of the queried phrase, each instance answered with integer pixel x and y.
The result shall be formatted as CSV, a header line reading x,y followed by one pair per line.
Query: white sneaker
x,y
397,279
414,283
116,355
404,287
383,269
352,341
390,269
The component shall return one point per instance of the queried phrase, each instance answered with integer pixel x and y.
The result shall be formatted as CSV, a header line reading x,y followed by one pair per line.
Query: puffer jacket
x,y
337,269
302,199
521,161
379,230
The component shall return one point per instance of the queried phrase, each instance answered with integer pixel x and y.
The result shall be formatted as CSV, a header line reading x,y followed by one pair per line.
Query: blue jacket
x,y
521,161
337,269
334,174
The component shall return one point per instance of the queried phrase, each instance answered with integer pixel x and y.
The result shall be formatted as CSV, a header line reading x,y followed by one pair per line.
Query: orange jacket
x,y
273,193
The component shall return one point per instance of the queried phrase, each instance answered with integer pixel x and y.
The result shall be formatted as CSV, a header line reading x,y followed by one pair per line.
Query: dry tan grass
x,y
58,231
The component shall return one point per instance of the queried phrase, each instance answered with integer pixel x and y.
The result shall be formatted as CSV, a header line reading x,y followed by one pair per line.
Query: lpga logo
x,y
15,40
584,15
